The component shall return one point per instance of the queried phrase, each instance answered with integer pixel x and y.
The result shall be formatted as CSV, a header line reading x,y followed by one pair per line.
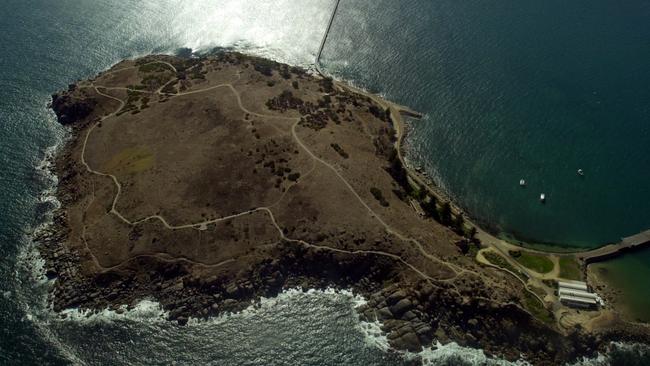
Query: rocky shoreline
x,y
414,312
413,315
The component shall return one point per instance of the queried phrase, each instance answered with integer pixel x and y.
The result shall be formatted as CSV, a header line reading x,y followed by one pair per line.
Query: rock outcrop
x,y
69,109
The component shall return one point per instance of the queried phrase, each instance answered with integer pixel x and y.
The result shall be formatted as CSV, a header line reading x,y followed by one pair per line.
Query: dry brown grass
x,y
205,155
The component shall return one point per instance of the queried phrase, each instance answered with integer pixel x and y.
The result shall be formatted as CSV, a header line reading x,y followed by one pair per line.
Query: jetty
x,y
626,244
322,42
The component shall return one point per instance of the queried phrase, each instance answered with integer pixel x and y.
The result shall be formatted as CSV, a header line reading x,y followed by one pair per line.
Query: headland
x,y
207,183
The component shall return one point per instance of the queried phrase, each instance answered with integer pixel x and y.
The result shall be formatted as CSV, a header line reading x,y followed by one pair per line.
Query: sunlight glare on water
x,y
278,29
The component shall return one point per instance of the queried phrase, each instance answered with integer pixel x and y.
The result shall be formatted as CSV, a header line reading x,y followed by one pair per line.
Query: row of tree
x,y
429,203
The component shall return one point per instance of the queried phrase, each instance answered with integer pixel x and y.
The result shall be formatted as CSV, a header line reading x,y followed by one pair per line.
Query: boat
x,y
542,198
522,182
580,172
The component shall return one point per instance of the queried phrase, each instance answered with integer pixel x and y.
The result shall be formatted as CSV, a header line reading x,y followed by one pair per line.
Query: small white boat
x,y
580,172
522,182
542,198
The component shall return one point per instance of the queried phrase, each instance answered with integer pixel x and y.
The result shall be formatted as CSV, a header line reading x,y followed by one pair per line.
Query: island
x,y
206,183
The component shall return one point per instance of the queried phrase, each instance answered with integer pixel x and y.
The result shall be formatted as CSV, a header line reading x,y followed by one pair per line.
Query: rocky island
x,y
207,183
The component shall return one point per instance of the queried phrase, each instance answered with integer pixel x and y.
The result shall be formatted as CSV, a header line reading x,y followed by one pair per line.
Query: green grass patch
x,y
130,160
538,290
473,249
570,268
154,67
536,262
500,261
532,304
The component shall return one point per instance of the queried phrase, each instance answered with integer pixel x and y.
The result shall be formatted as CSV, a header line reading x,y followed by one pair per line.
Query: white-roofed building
x,y
577,285
576,294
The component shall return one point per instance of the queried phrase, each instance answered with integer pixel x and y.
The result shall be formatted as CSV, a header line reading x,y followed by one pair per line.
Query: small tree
x,y
397,171
463,245
471,233
429,206
458,224
445,214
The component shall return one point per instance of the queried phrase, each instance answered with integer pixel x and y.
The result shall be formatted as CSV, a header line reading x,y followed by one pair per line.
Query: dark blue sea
x,y
510,89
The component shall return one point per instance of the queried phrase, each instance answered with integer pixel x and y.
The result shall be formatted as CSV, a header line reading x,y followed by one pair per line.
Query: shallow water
x,y
630,273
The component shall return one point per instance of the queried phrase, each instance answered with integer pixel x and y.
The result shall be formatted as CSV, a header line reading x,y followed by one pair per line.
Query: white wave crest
x,y
145,310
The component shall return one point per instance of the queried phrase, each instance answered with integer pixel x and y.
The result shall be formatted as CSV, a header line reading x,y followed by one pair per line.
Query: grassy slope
x,y
535,262
570,269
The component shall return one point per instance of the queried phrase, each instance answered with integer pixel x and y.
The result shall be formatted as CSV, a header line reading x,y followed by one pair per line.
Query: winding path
x,y
267,209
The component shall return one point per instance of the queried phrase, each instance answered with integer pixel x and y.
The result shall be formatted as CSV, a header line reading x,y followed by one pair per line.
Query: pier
x,y
627,244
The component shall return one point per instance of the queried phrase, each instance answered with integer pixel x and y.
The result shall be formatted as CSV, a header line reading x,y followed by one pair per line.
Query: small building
x,y
576,285
578,302
576,294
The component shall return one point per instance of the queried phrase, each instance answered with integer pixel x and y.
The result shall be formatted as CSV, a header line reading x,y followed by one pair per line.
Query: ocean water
x,y
517,89
46,45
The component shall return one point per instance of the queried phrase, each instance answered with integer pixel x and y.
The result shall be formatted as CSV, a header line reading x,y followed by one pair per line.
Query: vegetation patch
x,y
340,150
153,67
376,192
132,97
263,66
500,261
458,225
430,207
445,214
169,89
474,247
536,308
154,81
197,73
379,113
136,87
397,171
539,291
570,268
130,160
537,263
185,64
286,100
327,85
